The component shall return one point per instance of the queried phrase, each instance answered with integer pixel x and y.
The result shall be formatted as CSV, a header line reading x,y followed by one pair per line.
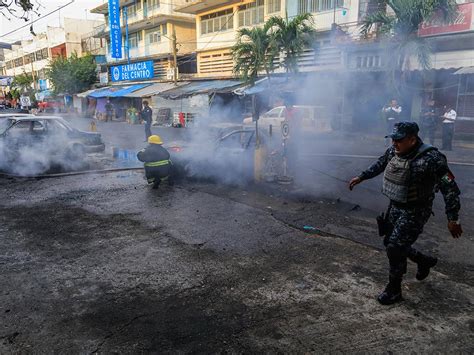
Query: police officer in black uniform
x,y
413,172
146,115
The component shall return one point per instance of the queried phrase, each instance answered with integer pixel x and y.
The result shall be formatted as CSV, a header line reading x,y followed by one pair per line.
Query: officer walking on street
x,y
413,172
146,115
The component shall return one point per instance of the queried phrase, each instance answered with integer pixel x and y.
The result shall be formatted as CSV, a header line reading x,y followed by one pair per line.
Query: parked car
x,y
43,141
315,119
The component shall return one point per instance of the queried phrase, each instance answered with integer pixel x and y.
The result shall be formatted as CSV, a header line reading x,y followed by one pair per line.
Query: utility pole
x,y
175,56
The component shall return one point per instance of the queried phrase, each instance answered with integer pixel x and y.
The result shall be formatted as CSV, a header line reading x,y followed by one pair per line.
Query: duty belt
x,y
158,163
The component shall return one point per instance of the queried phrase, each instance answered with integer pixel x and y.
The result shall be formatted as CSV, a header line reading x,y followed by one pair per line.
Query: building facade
x,y
218,21
32,56
150,26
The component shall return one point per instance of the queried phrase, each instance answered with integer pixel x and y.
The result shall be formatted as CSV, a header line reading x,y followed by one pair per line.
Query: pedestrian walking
x,y
429,121
156,158
449,118
146,115
413,172
391,114
109,111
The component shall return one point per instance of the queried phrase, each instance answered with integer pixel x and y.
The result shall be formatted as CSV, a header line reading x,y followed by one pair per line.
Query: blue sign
x,y
43,85
115,31
132,71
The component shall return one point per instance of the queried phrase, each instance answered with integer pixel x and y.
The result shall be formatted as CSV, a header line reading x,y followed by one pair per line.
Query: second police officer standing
x,y
413,172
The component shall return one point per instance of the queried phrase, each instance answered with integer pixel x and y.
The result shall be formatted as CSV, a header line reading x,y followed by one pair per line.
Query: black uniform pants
x,y
448,133
147,129
428,131
407,225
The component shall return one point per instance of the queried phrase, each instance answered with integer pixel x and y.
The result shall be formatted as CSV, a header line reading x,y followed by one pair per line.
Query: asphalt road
x,y
103,264
100,263
326,164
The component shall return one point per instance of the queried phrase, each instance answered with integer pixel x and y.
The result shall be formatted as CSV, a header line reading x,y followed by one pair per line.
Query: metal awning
x,y
85,93
154,89
274,84
202,87
116,91
467,70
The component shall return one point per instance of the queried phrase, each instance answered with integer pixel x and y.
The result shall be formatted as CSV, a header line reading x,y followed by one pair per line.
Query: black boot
x,y
424,266
392,293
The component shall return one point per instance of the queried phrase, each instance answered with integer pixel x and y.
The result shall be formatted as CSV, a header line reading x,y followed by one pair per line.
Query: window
x,y
133,39
273,6
133,9
217,21
251,14
164,29
318,5
18,62
154,35
153,4
10,64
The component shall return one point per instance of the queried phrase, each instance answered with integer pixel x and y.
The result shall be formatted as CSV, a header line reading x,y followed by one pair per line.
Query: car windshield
x,y
58,125
237,139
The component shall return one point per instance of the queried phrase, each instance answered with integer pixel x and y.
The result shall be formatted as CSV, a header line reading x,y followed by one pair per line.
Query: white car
x,y
314,118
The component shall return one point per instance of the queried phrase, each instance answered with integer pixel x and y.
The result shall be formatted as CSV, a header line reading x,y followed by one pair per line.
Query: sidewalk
x,y
463,150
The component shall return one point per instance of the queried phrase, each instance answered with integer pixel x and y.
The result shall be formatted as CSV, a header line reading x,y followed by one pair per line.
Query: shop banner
x,y
115,31
461,23
132,71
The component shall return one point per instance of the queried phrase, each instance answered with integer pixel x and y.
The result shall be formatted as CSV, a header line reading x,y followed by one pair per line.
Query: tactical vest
x,y
396,179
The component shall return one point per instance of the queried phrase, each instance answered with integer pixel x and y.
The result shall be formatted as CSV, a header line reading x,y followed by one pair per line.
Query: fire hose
x,y
72,173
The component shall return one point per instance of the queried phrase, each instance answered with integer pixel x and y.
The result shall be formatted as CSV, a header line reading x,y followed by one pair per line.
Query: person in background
x,y
392,116
109,110
429,120
146,115
448,127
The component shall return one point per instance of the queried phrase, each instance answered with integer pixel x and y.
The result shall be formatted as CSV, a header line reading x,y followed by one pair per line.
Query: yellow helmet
x,y
155,139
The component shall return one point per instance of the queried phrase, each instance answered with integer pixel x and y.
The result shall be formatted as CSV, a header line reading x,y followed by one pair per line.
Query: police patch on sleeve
x,y
448,178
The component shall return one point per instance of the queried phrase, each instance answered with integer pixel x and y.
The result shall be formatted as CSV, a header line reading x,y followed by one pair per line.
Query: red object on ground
x,y
182,121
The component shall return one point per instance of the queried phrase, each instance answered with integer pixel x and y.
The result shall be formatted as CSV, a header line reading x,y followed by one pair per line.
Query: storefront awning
x,y
85,93
154,89
467,70
116,91
202,87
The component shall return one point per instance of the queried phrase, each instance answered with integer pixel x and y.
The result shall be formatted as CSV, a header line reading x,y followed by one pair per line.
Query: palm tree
x,y
253,53
291,37
402,28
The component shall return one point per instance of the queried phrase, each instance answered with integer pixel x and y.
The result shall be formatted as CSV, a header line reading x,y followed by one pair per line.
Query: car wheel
x,y
76,153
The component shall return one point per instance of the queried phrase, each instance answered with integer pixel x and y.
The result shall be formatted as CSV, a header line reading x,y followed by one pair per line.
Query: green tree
x,y
401,28
72,75
22,83
291,37
253,53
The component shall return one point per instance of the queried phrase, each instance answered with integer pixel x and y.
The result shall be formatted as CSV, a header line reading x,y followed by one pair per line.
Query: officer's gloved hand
x,y
455,229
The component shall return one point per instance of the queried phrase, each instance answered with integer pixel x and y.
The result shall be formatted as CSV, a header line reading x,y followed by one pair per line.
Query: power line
x,y
32,22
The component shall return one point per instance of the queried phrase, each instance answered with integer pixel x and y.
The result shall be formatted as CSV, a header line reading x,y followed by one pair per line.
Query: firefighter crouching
x,y
158,166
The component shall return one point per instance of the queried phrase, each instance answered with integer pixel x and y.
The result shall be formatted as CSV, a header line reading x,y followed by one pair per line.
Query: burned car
x,y
31,144
229,158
